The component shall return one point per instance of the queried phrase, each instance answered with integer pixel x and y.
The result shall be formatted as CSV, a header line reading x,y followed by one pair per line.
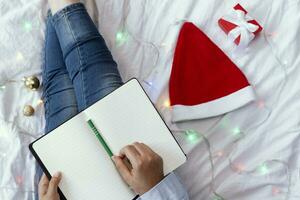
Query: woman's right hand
x,y
145,169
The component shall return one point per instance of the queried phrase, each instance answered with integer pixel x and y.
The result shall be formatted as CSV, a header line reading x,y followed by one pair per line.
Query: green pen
x,y
100,138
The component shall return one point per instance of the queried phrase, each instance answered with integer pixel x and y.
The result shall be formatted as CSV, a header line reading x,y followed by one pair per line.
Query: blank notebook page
x,y
126,116
123,117
88,172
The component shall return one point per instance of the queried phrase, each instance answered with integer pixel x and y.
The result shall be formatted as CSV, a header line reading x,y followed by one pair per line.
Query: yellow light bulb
x,y
39,102
167,103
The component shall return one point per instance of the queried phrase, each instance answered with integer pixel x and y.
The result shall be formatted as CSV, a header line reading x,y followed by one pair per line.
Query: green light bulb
x,y
121,37
263,169
27,26
192,136
236,131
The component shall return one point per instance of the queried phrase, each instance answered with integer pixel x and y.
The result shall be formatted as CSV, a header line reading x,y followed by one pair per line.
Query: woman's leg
x,y
58,91
58,94
91,67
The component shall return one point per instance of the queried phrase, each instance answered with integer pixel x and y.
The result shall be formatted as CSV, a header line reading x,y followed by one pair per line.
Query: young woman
x,y
79,70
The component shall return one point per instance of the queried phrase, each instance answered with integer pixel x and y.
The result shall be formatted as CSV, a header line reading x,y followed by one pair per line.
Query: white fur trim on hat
x,y
215,107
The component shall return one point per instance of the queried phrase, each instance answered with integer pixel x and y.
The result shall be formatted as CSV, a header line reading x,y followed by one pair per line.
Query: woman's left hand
x,y
48,189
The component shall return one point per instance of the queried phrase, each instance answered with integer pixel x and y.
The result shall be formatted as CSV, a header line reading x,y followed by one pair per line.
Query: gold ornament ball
x,y
32,82
28,111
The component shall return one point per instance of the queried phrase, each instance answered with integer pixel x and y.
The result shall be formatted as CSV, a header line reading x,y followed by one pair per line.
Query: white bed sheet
x,y
269,127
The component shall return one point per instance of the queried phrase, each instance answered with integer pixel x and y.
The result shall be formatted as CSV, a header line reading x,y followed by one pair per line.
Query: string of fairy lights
x,y
32,84
193,136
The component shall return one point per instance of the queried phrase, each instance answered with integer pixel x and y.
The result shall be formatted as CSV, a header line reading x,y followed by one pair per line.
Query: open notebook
x,y
123,117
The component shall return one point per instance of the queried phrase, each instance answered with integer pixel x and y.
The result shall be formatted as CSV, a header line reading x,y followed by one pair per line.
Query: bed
x,y
251,153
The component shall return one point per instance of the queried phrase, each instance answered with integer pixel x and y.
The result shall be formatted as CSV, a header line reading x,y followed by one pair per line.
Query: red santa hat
x,y
204,82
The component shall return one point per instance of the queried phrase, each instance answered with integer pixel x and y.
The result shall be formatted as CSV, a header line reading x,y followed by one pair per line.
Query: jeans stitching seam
x,y
82,79
46,75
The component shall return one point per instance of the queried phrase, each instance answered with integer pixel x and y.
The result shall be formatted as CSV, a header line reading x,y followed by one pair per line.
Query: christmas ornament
x,y
28,110
240,27
32,82
238,133
204,82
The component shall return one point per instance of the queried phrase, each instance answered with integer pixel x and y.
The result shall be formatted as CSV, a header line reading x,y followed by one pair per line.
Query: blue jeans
x,y
79,69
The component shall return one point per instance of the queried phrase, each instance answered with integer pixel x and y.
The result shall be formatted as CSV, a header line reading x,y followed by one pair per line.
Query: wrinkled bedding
x,y
251,153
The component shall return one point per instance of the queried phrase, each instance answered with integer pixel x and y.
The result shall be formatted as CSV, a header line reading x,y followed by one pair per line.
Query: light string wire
x,y
211,162
21,130
16,188
142,42
218,196
125,26
282,66
125,29
280,162
207,143
4,83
